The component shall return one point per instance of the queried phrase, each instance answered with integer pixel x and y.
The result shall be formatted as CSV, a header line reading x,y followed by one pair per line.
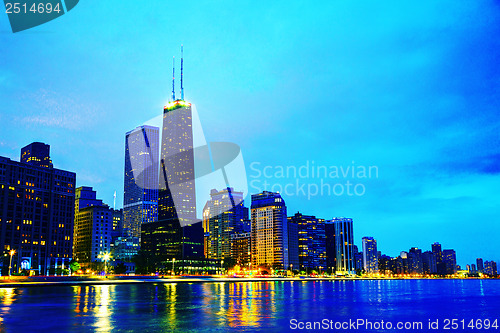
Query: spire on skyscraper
x,y
182,60
173,78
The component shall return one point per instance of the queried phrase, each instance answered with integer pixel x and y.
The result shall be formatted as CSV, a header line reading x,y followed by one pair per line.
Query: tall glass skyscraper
x,y
140,197
370,257
340,245
178,233
269,231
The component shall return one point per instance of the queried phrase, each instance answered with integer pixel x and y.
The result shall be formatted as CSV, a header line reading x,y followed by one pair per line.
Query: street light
x,y
106,257
221,267
12,252
173,266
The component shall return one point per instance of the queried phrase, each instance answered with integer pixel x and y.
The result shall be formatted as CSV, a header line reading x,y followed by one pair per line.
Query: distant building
x,y
224,215
370,256
490,268
429,263
140,196
293,246
36,211
93,227
450,262
441,266
311,241
415,261
480,265
342,243
358,259
269,231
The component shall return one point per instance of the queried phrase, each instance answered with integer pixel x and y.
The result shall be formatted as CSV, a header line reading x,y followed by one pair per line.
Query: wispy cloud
x,y
49,108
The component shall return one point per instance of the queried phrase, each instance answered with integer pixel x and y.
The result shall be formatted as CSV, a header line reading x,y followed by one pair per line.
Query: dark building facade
x,y
293,245
36,154
340,245
140,196
311,241
370,256
36,211
449,262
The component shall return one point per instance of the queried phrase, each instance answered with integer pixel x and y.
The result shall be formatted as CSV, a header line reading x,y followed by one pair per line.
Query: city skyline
x,y
429,107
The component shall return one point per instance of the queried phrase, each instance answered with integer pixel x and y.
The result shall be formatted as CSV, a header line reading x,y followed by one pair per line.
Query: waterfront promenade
x,y
40,281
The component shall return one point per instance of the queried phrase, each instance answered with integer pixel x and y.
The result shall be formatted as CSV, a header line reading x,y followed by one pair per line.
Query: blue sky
x,y
410,88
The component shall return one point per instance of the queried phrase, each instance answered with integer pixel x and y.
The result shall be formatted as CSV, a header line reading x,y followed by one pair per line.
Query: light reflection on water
x,y
239,306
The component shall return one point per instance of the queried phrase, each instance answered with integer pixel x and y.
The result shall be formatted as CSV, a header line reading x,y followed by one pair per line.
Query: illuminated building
x,y
37,154
311,241
140,196
269,231
178,233
415,262
223,216
370,257
340,243
36,211
241,247
93,227
490,268
125,247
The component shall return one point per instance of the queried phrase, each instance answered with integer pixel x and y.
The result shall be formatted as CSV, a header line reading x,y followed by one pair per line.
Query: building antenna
x,y
182,61
114,201
173,79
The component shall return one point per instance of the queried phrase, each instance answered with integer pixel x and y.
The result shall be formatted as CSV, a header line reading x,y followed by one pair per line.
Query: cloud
x,y
49,108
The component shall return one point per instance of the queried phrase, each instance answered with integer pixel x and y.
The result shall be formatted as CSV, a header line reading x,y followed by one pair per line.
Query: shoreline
x,y
79,281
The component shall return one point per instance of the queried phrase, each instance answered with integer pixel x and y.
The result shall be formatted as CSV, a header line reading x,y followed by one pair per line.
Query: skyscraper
x,y
311,241
480,265
224,215
36,211
441,267
490,268
178,233
269,231
415,261
449,262
293,245
342,242
429,264
140,197
370,257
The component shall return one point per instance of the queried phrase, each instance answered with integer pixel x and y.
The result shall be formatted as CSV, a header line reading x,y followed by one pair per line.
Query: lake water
x,y
251,306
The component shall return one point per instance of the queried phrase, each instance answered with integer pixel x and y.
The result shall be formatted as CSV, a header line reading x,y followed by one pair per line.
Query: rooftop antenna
x,y
173,79
182,61
114,201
